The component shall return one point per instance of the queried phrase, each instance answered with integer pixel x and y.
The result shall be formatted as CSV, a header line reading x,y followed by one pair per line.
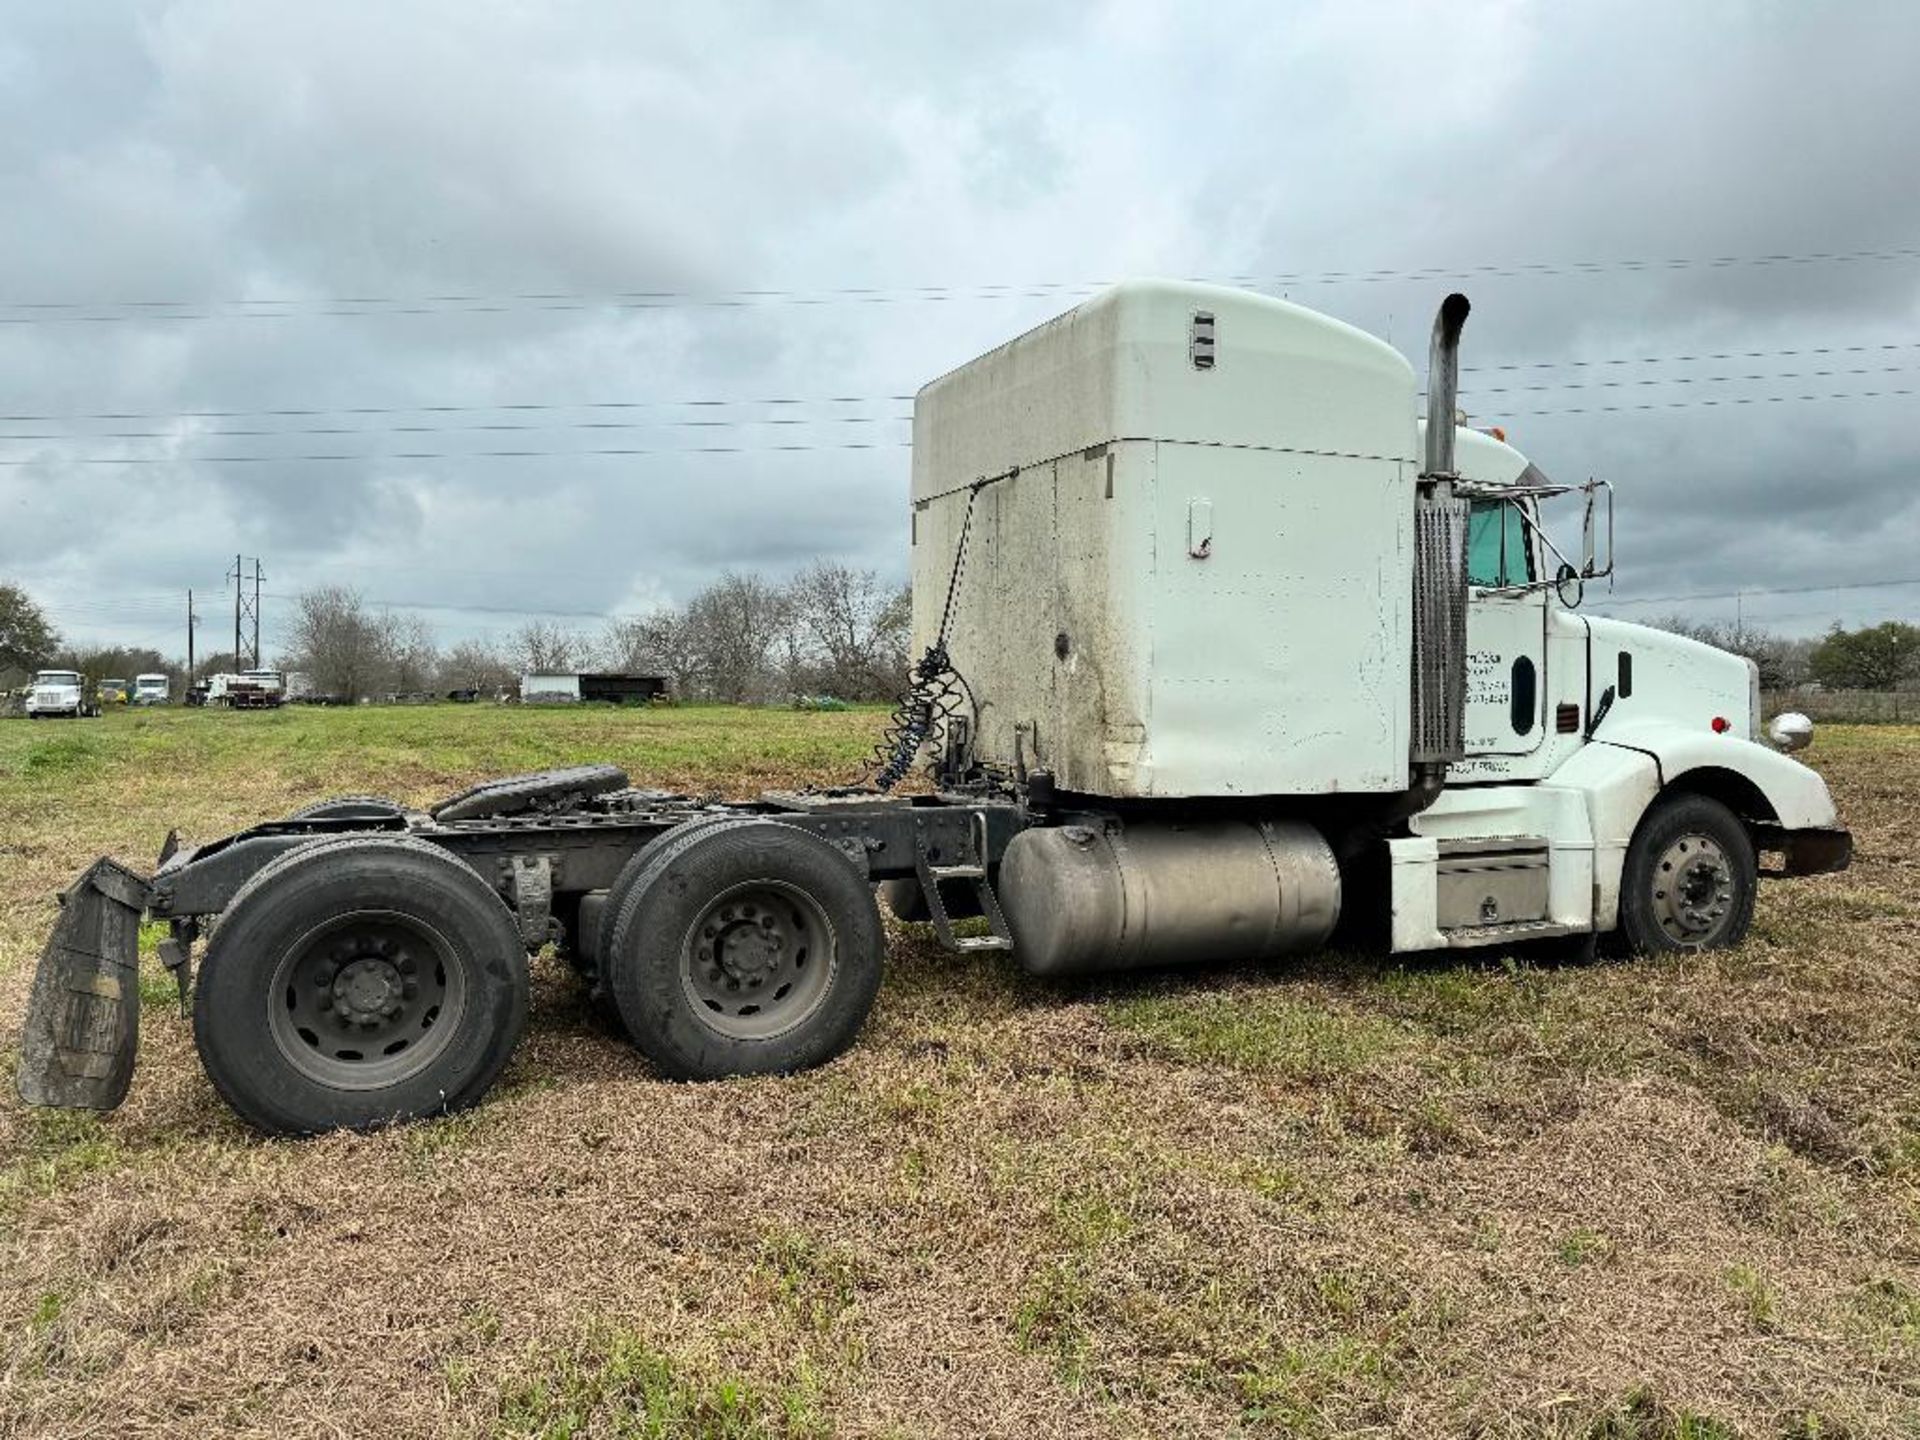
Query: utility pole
x,y
244,609
190,619
257,577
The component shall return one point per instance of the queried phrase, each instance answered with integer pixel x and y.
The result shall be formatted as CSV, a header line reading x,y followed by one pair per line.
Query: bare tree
x,y
335,640
858,628
731,627
411,652
545,647
657,644
471,665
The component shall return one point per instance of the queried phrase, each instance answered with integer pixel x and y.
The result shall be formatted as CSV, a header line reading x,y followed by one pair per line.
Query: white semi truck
x,y
1222,653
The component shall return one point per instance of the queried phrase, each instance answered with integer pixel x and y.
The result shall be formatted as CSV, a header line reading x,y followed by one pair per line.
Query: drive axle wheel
x,y
742,947
746,959
1690,878
357,982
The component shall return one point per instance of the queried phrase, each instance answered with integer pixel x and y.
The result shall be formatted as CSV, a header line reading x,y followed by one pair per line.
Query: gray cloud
x,y
212,150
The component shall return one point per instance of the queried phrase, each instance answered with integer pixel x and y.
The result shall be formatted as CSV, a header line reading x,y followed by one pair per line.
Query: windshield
x,y
57,677
148,682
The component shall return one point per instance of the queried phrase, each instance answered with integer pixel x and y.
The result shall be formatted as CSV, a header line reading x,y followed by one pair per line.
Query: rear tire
x,y
742,948
1690,879
359,982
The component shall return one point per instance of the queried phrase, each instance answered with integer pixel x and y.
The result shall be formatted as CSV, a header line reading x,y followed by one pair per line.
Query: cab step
x,y
971,872
1468,936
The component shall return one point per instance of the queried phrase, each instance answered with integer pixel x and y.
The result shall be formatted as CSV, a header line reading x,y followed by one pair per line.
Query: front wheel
x,y
744,948
1690,878
358,982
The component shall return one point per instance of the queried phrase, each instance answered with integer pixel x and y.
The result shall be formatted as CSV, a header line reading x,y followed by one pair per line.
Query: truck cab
x,y
1189,554
1577,729
59,693
152,689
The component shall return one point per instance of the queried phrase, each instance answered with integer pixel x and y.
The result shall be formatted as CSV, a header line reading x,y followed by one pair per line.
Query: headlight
x,y
1790,731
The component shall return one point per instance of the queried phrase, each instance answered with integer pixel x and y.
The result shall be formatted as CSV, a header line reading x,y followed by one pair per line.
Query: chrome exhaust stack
x,y
1443,385
1439,574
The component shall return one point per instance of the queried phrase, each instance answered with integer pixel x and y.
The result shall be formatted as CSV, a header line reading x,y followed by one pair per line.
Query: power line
x,y
590,452
1766,590
514,426
461,429
1684,380
1711,403
1694,359
38,312
448,409
456,454
710,402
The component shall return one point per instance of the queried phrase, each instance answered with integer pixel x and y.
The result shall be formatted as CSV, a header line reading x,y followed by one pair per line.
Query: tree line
x,y
831,629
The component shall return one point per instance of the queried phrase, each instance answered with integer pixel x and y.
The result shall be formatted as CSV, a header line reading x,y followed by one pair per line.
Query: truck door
x,y
1506,633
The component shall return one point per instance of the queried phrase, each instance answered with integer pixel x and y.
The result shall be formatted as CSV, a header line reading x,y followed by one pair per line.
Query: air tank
x,y
1084,898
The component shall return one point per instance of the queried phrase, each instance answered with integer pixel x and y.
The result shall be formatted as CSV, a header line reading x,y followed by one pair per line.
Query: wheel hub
x,y
758,959
1693,889
747,945
368,990
359,1004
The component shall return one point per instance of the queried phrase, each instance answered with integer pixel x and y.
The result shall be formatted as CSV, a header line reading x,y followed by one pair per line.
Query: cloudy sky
x,y
244,235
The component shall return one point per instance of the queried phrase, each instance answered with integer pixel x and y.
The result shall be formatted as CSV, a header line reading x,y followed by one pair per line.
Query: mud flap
x,y
83,1019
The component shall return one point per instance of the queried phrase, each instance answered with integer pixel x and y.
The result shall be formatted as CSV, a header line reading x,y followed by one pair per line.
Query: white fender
x,y
1798,796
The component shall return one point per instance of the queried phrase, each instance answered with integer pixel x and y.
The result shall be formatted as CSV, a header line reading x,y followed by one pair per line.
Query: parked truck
x,y
1221,652
60,693
256,690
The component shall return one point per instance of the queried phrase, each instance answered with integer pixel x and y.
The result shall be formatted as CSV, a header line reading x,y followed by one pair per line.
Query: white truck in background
x,y
151,689
59,693
1220,654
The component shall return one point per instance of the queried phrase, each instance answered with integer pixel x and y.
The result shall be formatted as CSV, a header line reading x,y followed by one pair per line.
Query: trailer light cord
x,y
937,691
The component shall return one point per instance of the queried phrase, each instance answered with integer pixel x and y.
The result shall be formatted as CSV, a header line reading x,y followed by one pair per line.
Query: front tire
x,y
359,982
746,948
1690,879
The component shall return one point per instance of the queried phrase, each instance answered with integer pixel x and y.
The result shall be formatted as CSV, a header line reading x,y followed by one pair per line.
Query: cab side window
x,y
1497,548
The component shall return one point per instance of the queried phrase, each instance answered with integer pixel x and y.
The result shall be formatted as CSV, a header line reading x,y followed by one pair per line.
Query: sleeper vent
x,y
1200,340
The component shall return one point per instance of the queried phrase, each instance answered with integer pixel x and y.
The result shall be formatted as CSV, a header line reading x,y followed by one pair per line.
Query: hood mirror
x,y
1790,731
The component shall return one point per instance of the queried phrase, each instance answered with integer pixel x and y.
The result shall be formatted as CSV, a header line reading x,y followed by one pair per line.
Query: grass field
x,y
1346,1196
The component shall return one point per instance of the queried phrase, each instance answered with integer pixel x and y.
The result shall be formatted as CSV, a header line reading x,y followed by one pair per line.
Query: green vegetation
x,y
609,1382
1263,1032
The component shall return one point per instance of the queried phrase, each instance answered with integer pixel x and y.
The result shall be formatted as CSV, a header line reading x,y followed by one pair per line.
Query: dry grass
x,y
1655,1199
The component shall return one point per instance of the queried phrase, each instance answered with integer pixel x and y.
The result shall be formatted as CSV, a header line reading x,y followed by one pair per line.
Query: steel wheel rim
x,y
759,960
1693,890
367,1000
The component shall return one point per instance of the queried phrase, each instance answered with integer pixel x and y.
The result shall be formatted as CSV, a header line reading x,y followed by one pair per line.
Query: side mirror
x,y
1586,539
